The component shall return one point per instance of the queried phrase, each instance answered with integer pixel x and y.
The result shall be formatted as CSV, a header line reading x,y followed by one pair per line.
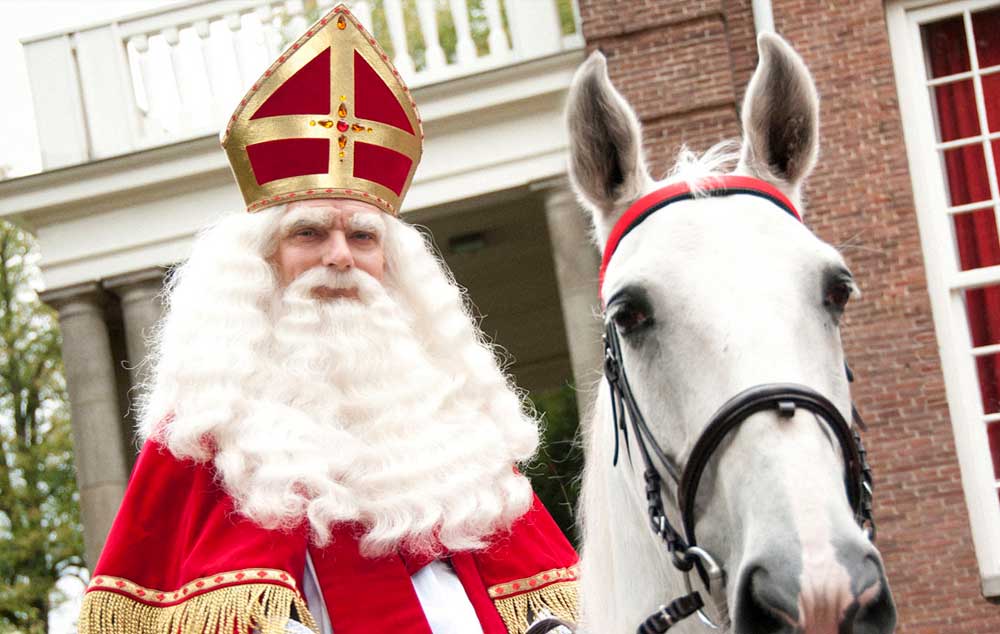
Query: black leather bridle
x,y
784,399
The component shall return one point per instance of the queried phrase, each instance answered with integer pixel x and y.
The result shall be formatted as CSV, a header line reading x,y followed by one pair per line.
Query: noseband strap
x,y
784,399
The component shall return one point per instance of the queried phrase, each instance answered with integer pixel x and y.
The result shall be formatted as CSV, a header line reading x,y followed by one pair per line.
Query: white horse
x,y
712,296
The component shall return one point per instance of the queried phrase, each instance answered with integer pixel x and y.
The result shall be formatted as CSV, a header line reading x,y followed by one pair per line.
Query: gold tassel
x,y
238,608
519,611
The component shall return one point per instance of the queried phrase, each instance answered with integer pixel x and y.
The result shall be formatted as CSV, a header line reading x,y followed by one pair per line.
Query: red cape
x,y
180,560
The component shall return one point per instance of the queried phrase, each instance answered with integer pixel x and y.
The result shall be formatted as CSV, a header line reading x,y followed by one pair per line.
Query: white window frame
x,y
946,283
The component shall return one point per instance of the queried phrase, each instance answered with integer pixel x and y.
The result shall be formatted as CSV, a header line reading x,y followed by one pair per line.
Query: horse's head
x,y
708,298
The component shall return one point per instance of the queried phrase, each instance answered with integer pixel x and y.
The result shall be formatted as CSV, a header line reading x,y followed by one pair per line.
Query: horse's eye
x,y
838,293
629,316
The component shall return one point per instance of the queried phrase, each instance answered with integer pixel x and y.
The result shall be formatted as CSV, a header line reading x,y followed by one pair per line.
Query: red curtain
x,y
975,232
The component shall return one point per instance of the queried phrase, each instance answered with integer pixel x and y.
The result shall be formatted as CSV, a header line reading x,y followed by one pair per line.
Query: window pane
x,y
956,110
947,50
993,433
988,367
991,93
965,168
977,240
986,28
982,305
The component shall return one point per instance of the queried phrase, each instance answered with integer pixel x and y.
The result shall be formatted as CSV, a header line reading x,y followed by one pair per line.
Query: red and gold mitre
x,y
331,118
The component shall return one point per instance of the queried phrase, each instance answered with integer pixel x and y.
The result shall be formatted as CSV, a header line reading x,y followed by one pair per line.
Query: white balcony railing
x,y
175,73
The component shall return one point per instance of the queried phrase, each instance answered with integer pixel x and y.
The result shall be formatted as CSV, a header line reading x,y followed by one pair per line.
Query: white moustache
x,y
320,282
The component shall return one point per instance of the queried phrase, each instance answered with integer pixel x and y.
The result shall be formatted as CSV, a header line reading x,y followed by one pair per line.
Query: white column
x,y
534,27
235,25
577,266
428,28
397,33
362,10
265,14
100,443
183,115
216,109
465,50
298,23
58,105
107,91
142,309
151,127
143,99
763,16
497,38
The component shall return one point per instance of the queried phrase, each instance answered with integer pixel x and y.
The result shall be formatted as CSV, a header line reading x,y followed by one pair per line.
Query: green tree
x,y
41,537
555,473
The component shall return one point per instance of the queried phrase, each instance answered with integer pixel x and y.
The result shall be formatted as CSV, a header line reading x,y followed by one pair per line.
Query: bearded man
x,y
329,442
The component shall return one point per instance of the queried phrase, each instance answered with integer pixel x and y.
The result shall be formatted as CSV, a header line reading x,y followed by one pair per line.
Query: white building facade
x,y
128,115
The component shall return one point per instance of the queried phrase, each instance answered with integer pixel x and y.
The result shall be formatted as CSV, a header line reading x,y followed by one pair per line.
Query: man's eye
x,y
364,235
305,233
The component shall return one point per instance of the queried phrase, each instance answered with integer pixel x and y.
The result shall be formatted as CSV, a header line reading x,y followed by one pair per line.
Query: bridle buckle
x,y
786,409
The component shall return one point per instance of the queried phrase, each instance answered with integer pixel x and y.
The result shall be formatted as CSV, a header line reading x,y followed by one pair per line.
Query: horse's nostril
x,y
873,611
877,616
767,603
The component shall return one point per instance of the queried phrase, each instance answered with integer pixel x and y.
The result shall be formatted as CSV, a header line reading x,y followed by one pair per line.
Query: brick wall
x,y
684,66
861,197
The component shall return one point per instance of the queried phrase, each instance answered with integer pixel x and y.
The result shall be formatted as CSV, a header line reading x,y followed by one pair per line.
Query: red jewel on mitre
x,y
329,119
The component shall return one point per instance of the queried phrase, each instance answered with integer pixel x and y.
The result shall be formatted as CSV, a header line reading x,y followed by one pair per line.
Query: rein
x,y
785,399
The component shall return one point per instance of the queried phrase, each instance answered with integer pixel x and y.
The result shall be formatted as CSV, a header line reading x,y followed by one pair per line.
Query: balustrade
x,y
172,74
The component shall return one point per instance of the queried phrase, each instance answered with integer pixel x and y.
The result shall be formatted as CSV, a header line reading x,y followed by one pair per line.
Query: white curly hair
x,y
391,411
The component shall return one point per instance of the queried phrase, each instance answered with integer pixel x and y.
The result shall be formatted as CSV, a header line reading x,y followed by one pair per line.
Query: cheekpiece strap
x,y
669,615
715,186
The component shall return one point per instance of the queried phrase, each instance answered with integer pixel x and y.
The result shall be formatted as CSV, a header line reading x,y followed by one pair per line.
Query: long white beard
x,y
352,420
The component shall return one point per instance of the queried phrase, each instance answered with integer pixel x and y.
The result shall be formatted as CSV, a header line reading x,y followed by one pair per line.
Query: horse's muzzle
x,y
774,597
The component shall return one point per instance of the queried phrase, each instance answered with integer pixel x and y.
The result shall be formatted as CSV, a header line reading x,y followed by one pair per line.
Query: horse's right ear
x,y
607,167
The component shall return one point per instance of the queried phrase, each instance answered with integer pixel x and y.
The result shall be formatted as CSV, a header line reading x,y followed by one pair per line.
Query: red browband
x,y
675,192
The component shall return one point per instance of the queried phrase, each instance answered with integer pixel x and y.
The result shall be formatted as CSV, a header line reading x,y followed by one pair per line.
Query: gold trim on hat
x,y
343,35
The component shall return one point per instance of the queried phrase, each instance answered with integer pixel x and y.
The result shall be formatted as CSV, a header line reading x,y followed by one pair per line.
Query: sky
x,y
23,18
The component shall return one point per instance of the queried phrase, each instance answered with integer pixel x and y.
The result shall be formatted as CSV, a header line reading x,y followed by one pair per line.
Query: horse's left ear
x,y
780,118
606,165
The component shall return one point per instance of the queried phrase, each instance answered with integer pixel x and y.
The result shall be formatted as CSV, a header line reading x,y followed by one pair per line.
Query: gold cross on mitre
x,y
331,118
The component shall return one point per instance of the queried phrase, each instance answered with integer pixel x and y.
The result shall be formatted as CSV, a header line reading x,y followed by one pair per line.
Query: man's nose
x,y
337,252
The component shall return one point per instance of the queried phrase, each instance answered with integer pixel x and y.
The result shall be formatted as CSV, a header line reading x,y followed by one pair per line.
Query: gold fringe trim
x,y
520,611
234,609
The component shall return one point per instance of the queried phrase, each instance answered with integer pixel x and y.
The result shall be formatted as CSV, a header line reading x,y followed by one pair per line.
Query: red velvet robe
x,y
180,560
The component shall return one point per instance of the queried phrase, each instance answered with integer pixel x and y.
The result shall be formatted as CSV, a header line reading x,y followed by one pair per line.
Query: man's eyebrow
x,y
305,217
366,221
302,223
